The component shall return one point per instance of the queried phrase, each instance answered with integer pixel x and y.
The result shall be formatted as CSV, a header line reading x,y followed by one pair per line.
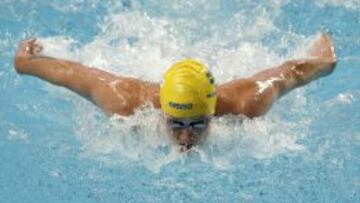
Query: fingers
x,y
37,49
30,47
29,41
25,46
326,38
322,47
327,41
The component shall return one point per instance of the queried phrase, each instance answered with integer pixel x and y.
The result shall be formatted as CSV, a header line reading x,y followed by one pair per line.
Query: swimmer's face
x,y
187,132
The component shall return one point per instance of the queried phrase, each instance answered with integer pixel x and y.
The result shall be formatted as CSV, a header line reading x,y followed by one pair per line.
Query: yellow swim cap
x,y
188,90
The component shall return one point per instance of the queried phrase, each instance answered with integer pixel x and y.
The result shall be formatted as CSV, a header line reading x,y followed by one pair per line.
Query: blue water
x,y
58,147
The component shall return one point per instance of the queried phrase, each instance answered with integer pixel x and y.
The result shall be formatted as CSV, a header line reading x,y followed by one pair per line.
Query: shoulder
x,y
245,97
124,95
233,97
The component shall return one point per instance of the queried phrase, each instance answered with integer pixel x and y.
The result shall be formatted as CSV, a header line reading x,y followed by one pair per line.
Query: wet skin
x,y
115,94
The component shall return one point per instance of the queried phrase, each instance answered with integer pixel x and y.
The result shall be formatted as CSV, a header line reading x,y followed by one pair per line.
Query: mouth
x,y
185,147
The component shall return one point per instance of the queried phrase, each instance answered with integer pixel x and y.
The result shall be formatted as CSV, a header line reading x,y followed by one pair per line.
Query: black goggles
x,y
197,125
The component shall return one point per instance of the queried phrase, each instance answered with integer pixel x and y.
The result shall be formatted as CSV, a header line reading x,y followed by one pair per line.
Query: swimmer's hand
x,y
27,49
322,59
323,48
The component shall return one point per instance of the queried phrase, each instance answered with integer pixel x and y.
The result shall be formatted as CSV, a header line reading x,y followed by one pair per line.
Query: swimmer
x,y
188,95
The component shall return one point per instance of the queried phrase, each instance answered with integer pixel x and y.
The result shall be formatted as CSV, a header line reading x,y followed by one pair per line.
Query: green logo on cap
x,y
181,106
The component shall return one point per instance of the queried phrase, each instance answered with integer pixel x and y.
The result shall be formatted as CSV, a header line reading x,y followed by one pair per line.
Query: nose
x,y
185,138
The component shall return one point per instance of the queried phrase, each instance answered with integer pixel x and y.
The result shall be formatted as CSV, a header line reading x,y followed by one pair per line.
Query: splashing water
x,y
149,46
58,146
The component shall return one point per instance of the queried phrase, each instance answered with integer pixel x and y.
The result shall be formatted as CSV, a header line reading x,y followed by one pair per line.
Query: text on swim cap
x,y
212,94
210,77
181,106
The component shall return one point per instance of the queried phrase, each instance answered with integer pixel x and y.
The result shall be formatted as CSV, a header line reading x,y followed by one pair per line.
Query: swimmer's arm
x,y
296,73
72,75
92,83
254,96
273,83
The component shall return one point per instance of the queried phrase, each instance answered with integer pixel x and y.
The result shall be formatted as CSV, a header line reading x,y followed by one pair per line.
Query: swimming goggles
x,y
197,125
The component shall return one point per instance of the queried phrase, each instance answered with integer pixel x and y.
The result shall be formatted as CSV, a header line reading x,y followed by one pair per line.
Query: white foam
x,y
348,4
140,45
59,47
17,134
74,6
342,99
345,98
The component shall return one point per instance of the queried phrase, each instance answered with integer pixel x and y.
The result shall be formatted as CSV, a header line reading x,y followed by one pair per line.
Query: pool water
x,y
58,147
